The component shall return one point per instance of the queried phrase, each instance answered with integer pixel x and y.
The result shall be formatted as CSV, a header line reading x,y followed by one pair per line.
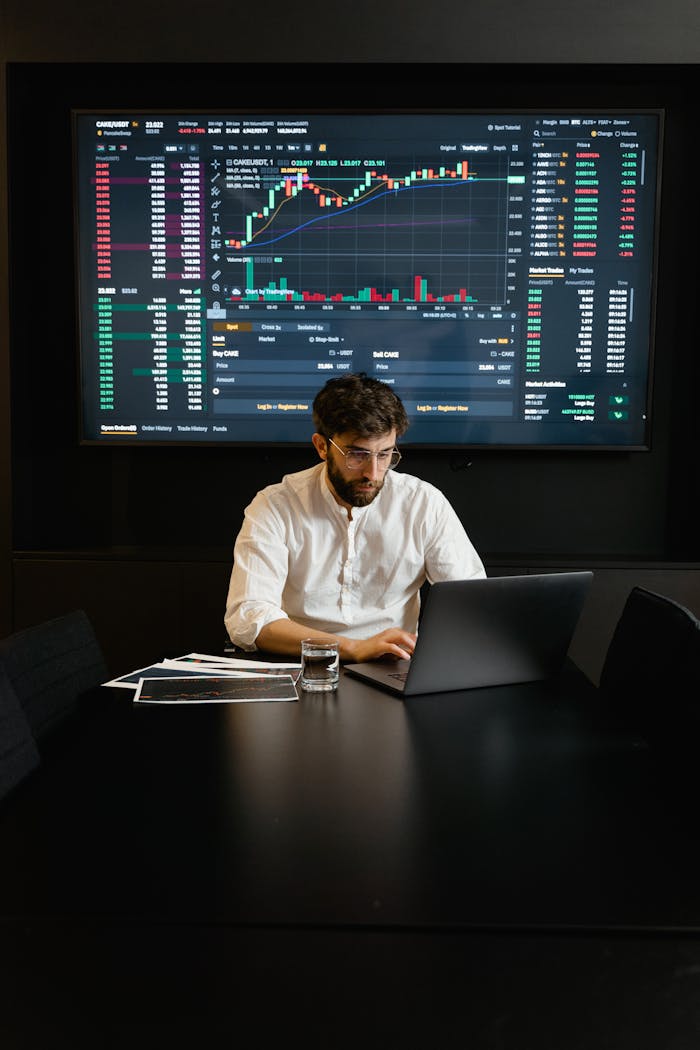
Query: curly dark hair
x,y
357,402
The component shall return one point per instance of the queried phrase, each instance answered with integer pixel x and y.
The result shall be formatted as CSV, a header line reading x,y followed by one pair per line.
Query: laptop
x,y
484,632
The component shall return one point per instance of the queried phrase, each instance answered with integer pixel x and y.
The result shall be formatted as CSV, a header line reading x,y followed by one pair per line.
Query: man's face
x,y
357,486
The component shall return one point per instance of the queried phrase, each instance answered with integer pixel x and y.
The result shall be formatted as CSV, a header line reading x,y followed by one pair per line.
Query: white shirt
x,y
298,556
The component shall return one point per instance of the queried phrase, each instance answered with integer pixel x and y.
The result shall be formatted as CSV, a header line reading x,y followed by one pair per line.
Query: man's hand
x,y
391,642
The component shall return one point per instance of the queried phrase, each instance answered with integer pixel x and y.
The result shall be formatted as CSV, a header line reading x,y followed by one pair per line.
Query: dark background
x,y
142,537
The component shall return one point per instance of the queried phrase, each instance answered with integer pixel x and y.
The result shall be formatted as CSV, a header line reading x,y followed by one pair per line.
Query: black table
x,y
507,866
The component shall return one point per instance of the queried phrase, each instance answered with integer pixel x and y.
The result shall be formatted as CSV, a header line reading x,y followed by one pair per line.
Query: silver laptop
x,y
493,631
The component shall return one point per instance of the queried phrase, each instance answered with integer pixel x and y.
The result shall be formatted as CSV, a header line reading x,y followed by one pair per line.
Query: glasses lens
x,y
355,460
395,458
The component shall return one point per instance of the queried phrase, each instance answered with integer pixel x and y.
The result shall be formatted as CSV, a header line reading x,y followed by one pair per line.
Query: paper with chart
x,y
202,665
210,689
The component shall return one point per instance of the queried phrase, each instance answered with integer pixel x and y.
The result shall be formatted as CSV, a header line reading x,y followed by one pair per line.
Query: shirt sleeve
x,y
450,554
258,575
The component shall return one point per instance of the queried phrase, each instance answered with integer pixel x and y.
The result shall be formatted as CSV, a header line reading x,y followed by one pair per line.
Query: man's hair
x,y
360,404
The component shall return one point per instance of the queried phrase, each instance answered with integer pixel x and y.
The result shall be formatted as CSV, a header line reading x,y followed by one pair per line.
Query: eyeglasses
x,y
358,458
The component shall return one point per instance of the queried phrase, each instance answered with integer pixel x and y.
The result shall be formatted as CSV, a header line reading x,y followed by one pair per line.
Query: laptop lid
x,y
483,632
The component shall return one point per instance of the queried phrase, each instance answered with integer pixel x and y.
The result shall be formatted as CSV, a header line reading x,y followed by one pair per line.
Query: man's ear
x,y
320,444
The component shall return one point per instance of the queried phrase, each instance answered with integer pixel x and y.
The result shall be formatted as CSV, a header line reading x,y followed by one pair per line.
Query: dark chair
x,y
18,751
50,666
650,678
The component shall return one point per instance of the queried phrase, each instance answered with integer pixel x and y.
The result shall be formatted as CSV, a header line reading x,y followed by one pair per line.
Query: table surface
x,y
504,869
514,807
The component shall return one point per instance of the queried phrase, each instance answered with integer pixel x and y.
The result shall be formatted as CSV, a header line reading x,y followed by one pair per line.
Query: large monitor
x,y
496,268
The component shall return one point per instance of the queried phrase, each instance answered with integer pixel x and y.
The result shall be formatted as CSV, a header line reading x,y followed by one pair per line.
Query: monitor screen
x,y
496,268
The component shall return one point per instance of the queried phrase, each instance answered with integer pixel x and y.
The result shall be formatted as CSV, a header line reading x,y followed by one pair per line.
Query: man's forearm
x,y
285,636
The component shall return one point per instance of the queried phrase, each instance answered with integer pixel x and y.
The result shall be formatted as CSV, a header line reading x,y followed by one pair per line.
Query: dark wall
x,y
67,497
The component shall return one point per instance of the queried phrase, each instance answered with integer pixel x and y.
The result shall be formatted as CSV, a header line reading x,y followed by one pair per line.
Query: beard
x,y
350,491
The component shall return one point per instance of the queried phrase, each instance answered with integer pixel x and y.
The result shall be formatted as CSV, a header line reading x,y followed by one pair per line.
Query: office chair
x,y
651,673
18,751
50,666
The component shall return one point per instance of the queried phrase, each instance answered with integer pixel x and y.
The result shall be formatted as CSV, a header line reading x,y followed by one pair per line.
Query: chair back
x,y
50,666
651,671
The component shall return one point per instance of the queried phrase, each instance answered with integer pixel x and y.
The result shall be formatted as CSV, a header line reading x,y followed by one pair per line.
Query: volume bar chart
x,y
284,294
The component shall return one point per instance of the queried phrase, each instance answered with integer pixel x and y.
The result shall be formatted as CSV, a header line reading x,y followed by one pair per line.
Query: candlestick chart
x,y
419,233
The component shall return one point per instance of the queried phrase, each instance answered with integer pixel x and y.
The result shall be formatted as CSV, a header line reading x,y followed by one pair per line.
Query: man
x,y
342,549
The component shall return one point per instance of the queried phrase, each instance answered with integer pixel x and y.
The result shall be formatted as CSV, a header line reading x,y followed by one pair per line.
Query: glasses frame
x,y
395,455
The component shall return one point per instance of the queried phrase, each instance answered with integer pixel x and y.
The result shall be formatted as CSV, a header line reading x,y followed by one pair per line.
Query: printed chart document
x,y
199,678
215,690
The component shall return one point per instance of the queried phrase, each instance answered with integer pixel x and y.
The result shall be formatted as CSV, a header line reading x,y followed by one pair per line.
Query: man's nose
x,y
372,468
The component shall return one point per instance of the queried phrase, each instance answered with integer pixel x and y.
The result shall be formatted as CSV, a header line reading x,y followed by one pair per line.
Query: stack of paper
x,y
198,678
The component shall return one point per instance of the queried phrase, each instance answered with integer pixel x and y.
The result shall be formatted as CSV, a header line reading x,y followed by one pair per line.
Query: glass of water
x,y
320,665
